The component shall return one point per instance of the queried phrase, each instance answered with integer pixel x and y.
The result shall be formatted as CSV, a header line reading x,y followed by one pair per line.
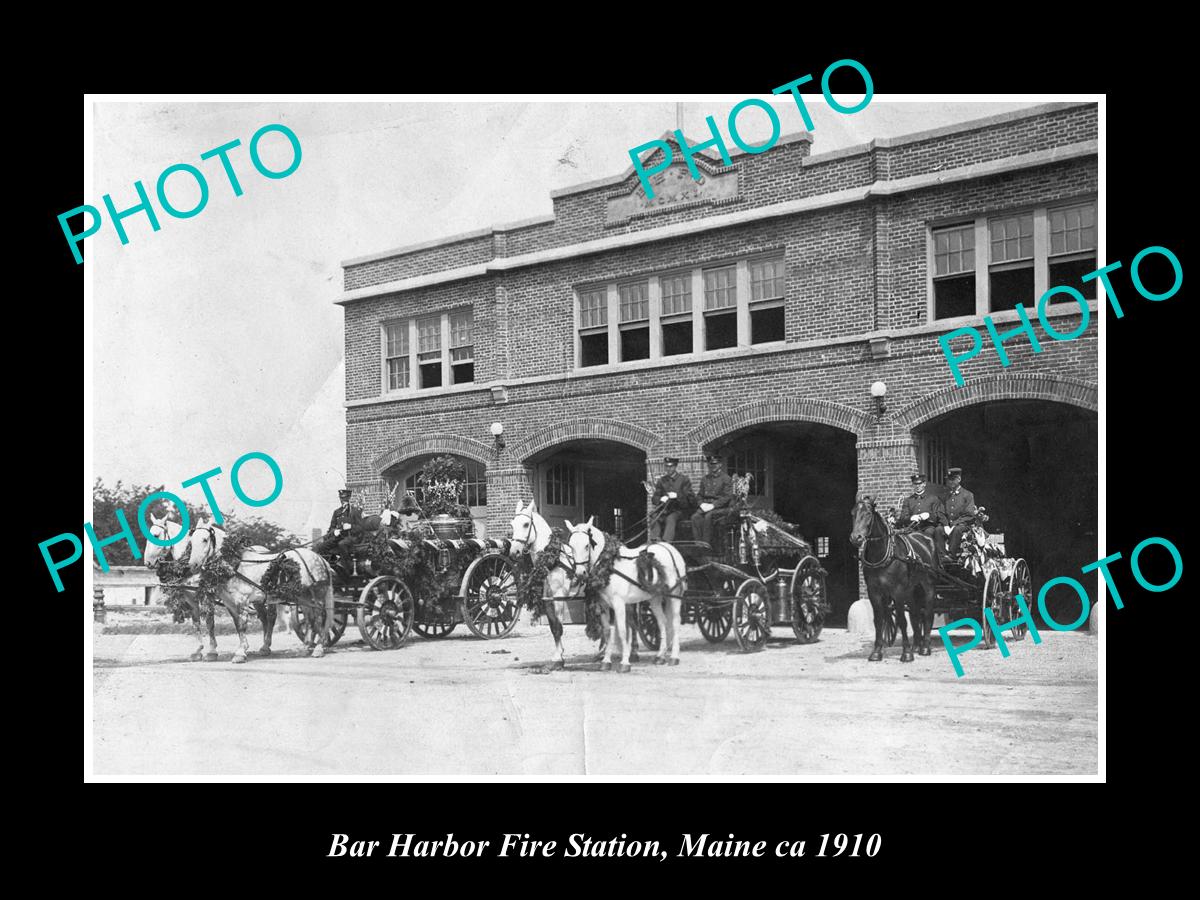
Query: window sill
x,y
678,359
1053,311
412,393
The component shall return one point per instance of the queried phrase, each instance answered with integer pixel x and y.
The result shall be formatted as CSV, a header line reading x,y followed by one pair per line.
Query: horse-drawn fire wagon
x,y
427,578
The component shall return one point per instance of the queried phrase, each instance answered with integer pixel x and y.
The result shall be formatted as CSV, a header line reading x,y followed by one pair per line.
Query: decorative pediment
x,y
674,187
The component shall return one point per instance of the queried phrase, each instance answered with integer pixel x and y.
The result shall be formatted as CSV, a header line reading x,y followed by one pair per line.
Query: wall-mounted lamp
x,y
878,391
497,431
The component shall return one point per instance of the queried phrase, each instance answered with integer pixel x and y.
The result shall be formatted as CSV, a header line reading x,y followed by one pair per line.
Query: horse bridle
x,y
889,551
531,539
212,537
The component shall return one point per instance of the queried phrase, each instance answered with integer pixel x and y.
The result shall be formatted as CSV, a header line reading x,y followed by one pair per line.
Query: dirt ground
x,y
461,706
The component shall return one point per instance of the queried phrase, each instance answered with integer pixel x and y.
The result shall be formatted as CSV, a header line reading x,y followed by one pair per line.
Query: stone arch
x,y
1017,386
434,443
823,412
576,429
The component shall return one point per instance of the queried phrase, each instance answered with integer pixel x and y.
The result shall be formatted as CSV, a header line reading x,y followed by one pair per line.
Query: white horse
x,y
531,534
658,566
241,590
165,529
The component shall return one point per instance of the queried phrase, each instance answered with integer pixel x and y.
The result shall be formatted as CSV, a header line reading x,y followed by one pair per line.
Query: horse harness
x,y
910,555
673,594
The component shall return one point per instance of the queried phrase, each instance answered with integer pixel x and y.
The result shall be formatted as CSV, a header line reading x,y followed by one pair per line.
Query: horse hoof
x,y
659,661
672,662
210,657
925,651
633,657
599,657
606,666
264,651
625,667
557,665
906,657
318,651
239,657
875,657
197,656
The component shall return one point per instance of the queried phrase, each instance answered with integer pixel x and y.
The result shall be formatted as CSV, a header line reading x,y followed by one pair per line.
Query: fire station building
x,y
749,312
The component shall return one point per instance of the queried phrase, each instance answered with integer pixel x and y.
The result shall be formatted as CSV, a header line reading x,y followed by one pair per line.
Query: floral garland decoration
x,y
596,582
214,572
281,582
531,593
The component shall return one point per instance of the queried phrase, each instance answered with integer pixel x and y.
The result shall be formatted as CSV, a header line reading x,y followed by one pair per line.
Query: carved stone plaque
x,y
673,187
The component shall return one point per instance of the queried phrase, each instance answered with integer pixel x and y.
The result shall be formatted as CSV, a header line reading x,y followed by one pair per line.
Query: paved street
x,y
462,706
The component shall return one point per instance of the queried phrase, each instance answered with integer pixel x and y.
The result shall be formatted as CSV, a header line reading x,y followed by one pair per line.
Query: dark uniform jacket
x,y
680,485
343,515
913,505
716,489
960,506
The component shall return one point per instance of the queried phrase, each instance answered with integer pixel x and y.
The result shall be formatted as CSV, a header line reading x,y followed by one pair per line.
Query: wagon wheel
x,y
490,604
715,620
808,603
431,621
1020,583
300,621
647,627
993,599
385,613
752,615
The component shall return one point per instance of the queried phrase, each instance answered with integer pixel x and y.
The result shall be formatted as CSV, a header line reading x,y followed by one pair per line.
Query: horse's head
x,y
206,541
530,532
163,529
863,515
587,543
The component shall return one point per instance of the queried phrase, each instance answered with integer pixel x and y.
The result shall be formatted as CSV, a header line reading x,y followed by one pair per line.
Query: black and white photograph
x,y
610,437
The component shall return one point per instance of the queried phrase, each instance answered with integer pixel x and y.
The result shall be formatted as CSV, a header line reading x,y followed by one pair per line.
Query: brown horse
x,y
898,569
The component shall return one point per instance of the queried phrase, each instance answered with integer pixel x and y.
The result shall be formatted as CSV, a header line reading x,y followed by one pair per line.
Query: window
x,y
752,461
822,546
766,300
593,333
1010,273
444,351
560,485
396,355
1017,257
635,320
954,272
1072,248
676,291
462,347
720,308
474,490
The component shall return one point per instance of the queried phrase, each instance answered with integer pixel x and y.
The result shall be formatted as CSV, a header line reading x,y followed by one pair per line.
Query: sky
x,y
218,334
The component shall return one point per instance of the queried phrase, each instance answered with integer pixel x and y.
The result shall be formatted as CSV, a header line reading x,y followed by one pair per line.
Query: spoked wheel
x,y
432,622
490,603
300,621
993,599
1020,583
808,603
752,615
385,614
647,627
715,619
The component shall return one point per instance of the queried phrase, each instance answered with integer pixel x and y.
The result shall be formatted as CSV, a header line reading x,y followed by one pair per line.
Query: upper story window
x,y
635,320
681,313
1022,254
444,351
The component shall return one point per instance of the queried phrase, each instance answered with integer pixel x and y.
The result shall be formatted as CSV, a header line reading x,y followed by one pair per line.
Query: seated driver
x,y
673,495
923,511
960,510
714,497
345,527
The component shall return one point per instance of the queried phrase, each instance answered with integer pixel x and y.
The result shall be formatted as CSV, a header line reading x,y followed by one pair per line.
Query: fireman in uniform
x,y
344,529
715,495
923,511
960,510
673,493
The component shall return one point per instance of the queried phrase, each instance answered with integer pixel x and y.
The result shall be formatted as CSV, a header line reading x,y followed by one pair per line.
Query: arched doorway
x,y
807,472
473,494
591,477
1033,464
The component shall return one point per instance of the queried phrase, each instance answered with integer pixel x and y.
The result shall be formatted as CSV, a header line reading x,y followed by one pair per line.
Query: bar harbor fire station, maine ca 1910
x,y
753,312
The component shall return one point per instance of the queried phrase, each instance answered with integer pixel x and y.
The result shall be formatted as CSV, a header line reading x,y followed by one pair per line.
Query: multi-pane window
x,y
429,352
1072,251
593,332
635,320
676,293
823,546
560,485
750,461
767,284
1022,253
954,271
720,308
1010,269
462,347
474,487
396,355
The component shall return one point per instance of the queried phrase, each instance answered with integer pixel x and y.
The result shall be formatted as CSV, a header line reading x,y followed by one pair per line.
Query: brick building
x,y
750,312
